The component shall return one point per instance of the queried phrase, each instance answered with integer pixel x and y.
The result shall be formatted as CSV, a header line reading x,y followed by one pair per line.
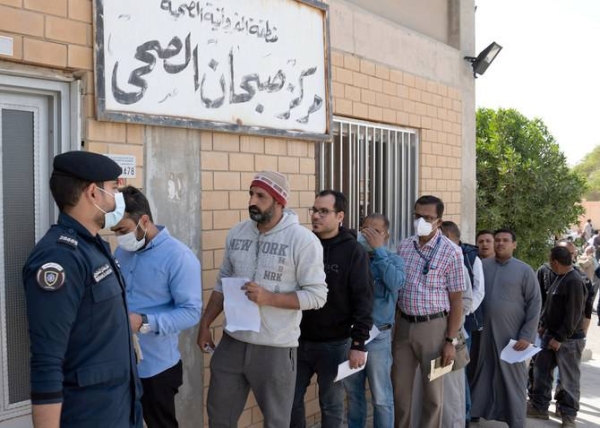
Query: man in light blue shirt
x,y
164,294
388,274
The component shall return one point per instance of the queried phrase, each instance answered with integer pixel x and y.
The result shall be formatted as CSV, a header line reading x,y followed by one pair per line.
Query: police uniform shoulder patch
x,y
51,277
68,240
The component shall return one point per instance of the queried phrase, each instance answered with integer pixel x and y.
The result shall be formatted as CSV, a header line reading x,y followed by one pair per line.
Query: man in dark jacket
x,y
563,340
347,314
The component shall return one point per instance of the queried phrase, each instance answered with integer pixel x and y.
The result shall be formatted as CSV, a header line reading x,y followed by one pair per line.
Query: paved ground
x,y
589,414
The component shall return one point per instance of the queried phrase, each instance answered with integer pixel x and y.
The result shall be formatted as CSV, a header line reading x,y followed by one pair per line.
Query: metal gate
x,y
376,167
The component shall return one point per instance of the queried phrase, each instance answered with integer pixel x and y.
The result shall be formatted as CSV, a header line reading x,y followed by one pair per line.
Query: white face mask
x,y
112,218
423,228
129,241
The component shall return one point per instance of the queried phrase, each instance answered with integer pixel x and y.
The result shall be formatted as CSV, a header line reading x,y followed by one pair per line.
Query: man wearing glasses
x,y
347,314
429,313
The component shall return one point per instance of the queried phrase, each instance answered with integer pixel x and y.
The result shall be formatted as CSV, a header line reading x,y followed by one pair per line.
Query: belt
x,y
384,327
423,318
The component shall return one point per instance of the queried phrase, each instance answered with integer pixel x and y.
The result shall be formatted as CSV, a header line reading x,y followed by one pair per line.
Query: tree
x,y
589,167
523,182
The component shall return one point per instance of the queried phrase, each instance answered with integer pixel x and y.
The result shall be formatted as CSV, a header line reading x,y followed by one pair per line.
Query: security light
x,y
484,59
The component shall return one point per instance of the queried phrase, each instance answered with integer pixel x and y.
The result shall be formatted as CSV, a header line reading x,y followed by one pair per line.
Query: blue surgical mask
x,y
363,241
112,218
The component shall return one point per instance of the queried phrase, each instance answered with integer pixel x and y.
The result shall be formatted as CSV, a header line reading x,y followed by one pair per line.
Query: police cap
x,y
86,166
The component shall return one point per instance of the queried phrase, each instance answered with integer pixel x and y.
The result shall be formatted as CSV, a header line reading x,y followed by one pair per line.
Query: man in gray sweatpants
x,y
284,263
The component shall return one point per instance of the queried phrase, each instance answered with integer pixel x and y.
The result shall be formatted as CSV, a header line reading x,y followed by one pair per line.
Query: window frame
x,y
62,133
385,158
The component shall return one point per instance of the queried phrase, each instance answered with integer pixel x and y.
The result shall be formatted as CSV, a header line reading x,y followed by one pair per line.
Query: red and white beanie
x,y
276,184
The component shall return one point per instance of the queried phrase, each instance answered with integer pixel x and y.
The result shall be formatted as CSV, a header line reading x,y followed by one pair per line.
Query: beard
x,y
261,216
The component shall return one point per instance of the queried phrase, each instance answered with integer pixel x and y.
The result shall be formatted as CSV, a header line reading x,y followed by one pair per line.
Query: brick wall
x,y
361,90
365,90
58,34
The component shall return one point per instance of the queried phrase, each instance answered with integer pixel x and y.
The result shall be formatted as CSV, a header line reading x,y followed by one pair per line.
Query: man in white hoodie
x,y
284,261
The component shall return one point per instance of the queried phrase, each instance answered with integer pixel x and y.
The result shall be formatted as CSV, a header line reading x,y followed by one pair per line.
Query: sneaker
x,y
534,413
568,422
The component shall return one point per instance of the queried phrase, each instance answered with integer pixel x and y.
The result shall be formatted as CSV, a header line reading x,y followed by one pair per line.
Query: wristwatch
x,y
452,340
145,327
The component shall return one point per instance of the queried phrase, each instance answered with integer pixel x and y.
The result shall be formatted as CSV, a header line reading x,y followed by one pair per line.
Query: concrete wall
x,y
428,17
173,185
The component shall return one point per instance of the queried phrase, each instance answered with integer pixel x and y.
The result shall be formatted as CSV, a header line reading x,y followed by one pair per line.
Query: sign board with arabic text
x,y
244,66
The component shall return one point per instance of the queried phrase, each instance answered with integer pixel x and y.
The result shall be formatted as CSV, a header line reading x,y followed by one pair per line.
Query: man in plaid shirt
x,y
429,313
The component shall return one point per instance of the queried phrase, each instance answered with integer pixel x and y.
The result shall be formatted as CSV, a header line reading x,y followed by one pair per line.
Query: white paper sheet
x,y
438,370
241,313
373,333
513,356
344,369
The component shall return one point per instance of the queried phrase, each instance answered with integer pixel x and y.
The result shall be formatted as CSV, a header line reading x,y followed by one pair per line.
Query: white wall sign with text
x,y
251,66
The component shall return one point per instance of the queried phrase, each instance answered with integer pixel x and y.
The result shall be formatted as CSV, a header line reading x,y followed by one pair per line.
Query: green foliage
x,y
589,167
523,182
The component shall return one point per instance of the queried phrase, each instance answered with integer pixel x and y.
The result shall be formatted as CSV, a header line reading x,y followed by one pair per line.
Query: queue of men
x,y
104,328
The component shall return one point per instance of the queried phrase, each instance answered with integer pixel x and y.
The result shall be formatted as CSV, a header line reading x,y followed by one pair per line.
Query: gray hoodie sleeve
x,y
310,273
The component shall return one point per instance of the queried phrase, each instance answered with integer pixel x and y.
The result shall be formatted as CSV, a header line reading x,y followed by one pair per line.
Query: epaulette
x,y
68,240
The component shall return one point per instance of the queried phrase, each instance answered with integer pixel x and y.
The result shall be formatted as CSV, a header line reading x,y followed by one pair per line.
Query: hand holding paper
x,y
240,313
344,369
511,356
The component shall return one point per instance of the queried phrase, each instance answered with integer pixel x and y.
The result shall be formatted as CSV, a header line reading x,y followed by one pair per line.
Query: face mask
x,y
112,218
363,241
129,241
423,228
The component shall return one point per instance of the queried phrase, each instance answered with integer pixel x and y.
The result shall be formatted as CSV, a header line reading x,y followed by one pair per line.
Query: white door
x,y
25,137
38,119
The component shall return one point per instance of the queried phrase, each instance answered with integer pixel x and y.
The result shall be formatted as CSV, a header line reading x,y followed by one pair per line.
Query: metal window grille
x,y
376,167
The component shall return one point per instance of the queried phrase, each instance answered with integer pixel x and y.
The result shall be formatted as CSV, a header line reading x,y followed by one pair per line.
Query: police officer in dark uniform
x,y
83,366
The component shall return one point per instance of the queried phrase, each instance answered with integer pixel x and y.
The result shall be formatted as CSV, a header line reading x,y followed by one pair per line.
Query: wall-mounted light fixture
x,y
481,62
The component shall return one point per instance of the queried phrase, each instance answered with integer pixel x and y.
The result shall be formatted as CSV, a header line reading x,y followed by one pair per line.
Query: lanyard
x,y
427,260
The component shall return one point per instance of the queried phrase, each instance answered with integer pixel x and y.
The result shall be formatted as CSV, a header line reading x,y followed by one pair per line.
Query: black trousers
x,y
158,400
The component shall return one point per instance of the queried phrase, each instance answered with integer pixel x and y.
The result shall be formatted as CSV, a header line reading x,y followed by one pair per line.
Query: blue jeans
x,y
568,360
322,358
379,373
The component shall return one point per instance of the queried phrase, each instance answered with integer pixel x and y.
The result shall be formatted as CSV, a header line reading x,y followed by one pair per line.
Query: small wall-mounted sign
x,y
6,46
127,162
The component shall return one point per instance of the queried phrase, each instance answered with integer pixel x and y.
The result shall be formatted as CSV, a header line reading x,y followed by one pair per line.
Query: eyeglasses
x,y
427,218
323,212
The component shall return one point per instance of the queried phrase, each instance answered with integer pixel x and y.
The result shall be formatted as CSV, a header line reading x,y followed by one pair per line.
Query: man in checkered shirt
x,y
429,312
